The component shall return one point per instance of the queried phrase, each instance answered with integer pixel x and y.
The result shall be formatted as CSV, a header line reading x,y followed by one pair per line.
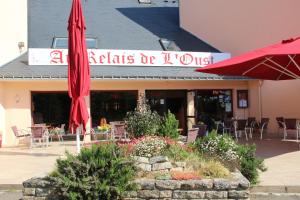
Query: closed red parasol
x,y
79,69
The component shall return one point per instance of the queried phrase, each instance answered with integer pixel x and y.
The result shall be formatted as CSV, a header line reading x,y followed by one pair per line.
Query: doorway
x,y
174,100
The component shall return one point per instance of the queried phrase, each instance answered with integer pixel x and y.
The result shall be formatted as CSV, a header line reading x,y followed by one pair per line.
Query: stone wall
x,y
235,188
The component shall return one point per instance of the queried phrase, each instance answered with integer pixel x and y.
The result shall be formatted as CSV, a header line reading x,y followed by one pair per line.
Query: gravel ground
x,y
10,195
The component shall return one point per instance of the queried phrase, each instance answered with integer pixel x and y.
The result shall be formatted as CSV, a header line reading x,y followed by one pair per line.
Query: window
x,y
168,45
144,1
242,96
62,43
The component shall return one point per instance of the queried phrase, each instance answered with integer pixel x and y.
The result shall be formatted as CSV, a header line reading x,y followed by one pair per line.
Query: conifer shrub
x,y
99,172
169,127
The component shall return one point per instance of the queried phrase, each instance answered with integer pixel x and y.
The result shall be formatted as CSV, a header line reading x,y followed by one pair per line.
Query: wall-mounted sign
x,y
37,56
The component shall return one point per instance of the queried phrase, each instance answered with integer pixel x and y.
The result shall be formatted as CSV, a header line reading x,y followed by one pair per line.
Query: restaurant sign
x,y
38,56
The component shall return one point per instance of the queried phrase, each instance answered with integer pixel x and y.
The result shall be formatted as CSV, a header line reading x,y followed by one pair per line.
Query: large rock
x,y
161,166
158,159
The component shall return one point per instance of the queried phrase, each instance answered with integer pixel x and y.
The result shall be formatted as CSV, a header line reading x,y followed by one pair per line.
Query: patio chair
x,y
119,131
240,127
227,126
281,125
291,125
250,125
20,134
39,136
59,134
192,135
263,126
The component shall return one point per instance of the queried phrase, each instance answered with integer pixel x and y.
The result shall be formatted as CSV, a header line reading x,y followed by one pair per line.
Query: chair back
x,y
280,121
228,123
251,121
192,135
37,132
241,124
291,123
119,130
62,129
15,130
264,123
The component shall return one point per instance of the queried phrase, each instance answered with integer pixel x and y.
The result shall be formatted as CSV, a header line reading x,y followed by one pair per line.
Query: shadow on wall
x,y
164,23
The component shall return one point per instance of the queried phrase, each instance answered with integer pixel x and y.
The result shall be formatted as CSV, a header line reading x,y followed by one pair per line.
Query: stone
x,y
242,194
180,164
130,194
187,185
29,191
148,194
36,182
165,194
216,194
28,198
161,166
203,184
42,192
140,159
146,184
221,184
144,167
167,184
158,159
180,194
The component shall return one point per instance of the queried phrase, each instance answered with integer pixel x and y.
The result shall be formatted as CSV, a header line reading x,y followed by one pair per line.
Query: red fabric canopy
x,y
79,69
276,62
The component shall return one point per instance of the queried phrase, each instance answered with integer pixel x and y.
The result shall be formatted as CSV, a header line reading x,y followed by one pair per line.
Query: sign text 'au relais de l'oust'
x,y
39,56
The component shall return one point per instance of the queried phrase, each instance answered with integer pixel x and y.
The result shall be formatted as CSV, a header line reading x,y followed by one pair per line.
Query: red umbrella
x,y
79,69
276,62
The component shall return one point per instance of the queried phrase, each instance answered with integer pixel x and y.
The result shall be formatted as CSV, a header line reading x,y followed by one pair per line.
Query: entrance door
x,y
213,105
173,100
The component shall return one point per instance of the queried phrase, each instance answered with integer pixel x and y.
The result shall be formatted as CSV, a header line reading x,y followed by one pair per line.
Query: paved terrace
x,y
20,164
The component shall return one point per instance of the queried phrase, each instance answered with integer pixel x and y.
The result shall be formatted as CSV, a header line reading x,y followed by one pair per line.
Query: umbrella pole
x,y
78,139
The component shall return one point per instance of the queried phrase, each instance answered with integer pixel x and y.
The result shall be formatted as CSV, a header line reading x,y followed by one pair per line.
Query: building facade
x,y
240,26
34,92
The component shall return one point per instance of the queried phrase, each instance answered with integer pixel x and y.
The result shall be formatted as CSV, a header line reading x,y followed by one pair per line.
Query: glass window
x,y
62,43
213,105
168,45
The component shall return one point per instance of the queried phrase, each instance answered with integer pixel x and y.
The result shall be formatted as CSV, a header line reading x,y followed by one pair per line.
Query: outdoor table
x,y
101,134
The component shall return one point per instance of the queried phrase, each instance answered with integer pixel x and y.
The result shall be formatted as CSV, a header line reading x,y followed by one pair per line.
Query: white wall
x,y
13,21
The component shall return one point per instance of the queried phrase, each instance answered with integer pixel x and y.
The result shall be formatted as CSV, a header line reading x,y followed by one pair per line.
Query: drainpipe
x,y
260,99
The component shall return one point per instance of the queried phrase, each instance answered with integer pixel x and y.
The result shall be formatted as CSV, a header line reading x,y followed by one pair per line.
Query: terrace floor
x,y
282,159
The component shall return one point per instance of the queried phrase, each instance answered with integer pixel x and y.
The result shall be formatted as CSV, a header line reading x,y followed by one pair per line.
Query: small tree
x,y
142,121
169,126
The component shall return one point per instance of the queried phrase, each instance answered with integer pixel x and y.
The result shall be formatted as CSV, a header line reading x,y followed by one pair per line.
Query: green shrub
x,y
232,155
101,172
176,153
169,127
142,121
249,164
222,147
213,169
150,146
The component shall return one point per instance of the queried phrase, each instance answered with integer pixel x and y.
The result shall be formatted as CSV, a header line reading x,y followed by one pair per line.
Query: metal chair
x,y
250,125
240,127
119,131
39,135
263,126
281,125
228,126
291,125
20,134
192,135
